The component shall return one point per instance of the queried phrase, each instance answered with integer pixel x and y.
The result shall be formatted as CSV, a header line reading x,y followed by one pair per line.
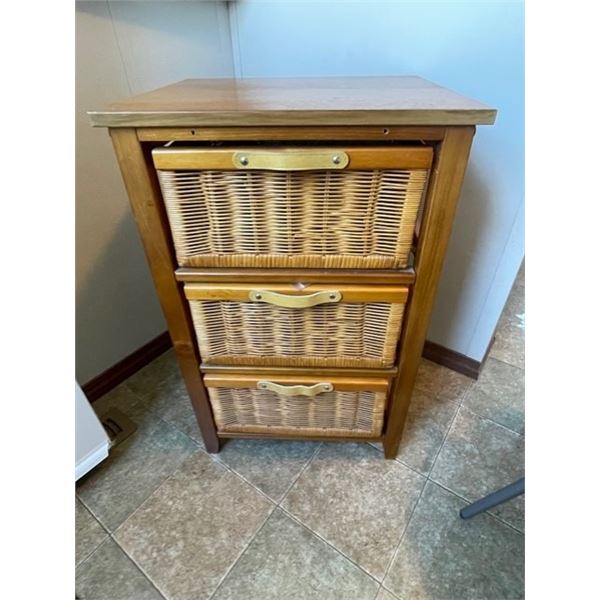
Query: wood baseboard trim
x,y
454,360
113,376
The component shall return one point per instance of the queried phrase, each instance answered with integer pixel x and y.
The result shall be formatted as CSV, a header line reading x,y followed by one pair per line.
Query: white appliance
x,y
91,441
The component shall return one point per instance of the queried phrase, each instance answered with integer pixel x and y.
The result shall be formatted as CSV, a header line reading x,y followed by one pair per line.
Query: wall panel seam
x,y
492,284
114,29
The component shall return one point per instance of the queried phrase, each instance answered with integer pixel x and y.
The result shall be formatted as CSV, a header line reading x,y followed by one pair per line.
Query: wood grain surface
x,y
318,101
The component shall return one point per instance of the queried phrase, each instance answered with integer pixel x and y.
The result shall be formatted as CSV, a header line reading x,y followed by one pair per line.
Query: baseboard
x,y
451,359
113,376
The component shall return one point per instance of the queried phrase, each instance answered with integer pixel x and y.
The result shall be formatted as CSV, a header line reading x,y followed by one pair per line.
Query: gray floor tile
x,y
134,468
169,399
427,423
512,512
479,457
443,557
357,501
520,280
436,380
509,345
190,532
499,394
514,310
285,560
89,534
108,574
270,465
146,379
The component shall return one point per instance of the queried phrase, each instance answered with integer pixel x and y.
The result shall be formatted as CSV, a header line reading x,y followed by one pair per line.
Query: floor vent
x,y
118,426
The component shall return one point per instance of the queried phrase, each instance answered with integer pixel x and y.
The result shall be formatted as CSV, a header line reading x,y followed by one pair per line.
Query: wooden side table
x,y
296,231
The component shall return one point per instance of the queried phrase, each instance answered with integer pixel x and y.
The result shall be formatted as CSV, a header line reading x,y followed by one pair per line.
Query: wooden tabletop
x,y
320,101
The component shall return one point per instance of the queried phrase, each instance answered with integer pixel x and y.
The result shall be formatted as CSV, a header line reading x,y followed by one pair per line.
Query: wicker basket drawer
x,y
297,207
281,325
297,405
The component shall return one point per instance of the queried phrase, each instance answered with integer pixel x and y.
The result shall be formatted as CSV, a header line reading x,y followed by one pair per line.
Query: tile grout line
x,y
325,541
136,565
78,499
293,518
400,462
275,507
507,363
98,523
140,568
155,491
108,537
142,404
444,441
457,405
142,400
315,533
394,596
227,468
308,463
145,499
397,549
246,481
243,551
427,478
484,418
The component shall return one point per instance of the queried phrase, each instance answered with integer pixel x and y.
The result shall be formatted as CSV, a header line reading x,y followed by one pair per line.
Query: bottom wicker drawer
x,y
303,406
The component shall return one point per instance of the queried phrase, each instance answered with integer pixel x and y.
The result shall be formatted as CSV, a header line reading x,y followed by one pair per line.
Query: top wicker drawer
x,y
293,207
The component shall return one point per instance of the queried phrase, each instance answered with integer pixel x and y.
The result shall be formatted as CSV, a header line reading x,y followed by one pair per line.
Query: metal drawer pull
x,y
289,301
291,160
295,390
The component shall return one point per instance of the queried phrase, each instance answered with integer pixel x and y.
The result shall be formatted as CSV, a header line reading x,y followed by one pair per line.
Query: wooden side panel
x,y
442,199
145,198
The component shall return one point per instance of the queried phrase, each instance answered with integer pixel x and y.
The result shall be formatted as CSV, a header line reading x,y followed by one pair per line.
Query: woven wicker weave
x,y
337,413
328,335
312,219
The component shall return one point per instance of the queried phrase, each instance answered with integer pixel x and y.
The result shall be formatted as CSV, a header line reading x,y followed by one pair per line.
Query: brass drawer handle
x,y
295,390
289,301
291,160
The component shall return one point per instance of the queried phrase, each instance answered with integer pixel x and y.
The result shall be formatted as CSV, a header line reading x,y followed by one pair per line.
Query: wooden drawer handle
x,y
290,301
291,160
295,390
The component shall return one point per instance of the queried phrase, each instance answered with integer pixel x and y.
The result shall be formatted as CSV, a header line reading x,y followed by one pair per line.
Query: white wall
x,y
475,48
124,48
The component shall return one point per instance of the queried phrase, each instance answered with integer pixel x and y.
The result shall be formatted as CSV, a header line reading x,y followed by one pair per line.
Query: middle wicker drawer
x,y
289,325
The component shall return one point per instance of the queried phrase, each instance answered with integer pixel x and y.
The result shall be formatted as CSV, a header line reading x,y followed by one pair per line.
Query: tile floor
x,y
160,518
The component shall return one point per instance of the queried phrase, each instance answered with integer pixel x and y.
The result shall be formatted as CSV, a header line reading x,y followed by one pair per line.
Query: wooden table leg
x,y
440,206
146,202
